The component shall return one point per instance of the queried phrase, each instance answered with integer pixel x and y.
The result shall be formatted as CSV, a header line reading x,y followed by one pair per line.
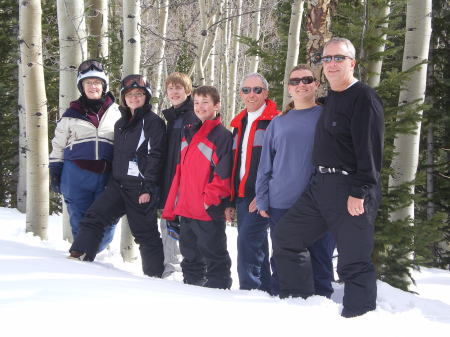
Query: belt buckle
x,y
323,169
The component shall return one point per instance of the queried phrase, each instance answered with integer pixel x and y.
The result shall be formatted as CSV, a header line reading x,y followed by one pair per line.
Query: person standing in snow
x,y
344,192
199,193
82,149
181,113
133,190
286,167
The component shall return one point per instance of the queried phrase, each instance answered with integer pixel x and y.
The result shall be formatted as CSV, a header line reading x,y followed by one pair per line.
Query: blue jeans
x,y
80,188
252,248
321,253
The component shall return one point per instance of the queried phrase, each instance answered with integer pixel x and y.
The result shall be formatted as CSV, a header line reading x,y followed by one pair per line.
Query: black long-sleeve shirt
x,y
349,136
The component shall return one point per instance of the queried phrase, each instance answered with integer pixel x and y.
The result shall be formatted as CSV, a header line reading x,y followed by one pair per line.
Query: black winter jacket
x,y
177,119
141,139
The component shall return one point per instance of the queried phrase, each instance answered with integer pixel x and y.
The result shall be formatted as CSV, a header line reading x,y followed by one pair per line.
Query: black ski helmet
x,y
135,81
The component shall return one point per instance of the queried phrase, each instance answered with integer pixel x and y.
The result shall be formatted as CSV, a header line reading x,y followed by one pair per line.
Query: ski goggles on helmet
x,y
90,65
135,81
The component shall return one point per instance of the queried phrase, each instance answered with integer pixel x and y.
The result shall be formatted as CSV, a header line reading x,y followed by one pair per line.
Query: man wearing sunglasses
x,y
344,193
249,129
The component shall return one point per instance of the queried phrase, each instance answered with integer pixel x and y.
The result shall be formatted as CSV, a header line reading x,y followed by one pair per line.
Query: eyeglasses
x,y
93,83
337,58
305,80
256,90
135,94
89,65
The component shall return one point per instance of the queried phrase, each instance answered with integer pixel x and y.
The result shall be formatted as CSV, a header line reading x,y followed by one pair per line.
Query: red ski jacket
x,y
203,173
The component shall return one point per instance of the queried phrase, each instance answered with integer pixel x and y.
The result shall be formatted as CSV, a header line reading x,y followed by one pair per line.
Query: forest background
x,y
402,51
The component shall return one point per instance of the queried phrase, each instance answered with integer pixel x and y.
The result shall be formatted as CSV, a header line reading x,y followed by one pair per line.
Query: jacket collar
x,y
173,113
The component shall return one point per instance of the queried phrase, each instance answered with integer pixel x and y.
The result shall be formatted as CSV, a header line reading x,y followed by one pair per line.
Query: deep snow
x,y
44,294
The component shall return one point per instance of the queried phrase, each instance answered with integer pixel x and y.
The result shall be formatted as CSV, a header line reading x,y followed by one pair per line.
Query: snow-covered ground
x,y
44,294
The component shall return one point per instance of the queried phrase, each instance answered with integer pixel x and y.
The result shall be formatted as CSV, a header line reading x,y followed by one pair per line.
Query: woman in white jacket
x,y
80,161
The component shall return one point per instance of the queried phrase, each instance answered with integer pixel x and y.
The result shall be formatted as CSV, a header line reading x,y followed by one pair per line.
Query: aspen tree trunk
x,y
163,18
97,25
406,146
318,21
256,29
210,66
131,37
131,65
36,107
210,13
72,51
293,45
225,74
22,176
374,66
234,59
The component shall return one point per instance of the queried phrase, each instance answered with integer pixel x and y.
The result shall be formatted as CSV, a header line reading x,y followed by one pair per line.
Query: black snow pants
x,y
203,245
323,207
117,200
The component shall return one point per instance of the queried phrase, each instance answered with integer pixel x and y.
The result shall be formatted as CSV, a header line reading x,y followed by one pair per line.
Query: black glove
x,y
55,176
173,228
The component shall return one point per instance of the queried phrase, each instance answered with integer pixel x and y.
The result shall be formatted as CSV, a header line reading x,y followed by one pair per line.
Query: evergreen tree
x,y
8,95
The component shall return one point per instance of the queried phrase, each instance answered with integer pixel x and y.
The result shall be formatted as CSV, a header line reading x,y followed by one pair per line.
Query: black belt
x,y
323,170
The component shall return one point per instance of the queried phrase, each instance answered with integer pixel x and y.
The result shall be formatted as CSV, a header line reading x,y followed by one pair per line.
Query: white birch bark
x,y
256,29
374,66
224,68
163,18
97,25
210,13
131,37
128,248
72,51
293,45
36,107
22,175
131,65
234,59
406,146
210,66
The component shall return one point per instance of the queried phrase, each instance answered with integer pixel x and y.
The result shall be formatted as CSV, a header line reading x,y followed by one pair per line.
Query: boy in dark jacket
x,y
139,149
178,88
199,193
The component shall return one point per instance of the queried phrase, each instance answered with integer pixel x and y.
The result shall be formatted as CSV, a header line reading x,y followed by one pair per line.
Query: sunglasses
x,y
305,80
256,90
90,65
337,58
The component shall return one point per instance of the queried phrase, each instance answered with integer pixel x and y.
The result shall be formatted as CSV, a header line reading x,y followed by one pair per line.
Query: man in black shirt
x,y
344,193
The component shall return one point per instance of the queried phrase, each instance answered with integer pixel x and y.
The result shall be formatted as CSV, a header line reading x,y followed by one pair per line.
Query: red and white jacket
x,y
203,173
246,186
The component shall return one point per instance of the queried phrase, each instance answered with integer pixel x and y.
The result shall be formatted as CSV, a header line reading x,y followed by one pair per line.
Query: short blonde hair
x,y
181,79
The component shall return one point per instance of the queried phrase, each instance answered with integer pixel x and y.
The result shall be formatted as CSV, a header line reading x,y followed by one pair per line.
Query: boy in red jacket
x,y
199,193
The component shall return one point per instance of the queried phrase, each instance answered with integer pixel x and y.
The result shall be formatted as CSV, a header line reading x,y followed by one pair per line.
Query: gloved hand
x,y
173,228
55,176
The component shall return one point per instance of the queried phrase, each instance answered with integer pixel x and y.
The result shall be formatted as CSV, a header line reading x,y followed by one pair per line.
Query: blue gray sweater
x,y
285,167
